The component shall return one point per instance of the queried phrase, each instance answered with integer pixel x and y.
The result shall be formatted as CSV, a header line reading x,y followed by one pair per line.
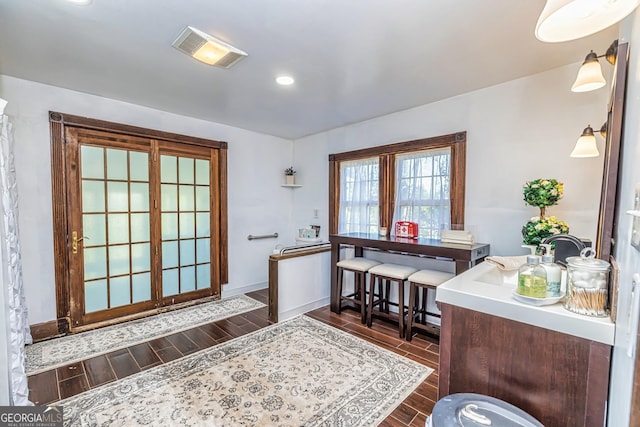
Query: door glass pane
x,y
187,226
117,164
169,197
185,170
168,168
118,228
117,197
140,227
169,282
202,198
94,227
203,225
95,263
170,254
202,172
187,252
118,260
139,165
139,197
203,250
141,284
187,202
120,292
95,295
140,257
92,159
92,196
169,226
187,279
203,276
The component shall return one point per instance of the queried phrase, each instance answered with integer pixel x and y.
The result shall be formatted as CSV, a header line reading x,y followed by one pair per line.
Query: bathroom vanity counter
x,y
549,362
486,289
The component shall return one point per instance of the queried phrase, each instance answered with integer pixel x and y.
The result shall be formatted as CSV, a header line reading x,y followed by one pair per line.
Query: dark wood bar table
x,y
465,256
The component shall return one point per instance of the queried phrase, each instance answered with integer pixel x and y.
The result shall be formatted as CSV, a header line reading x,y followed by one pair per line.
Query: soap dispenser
x,y
532,278
554,275
554,272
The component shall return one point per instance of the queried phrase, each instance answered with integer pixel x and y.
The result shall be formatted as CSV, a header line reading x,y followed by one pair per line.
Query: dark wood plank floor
x,y
56,384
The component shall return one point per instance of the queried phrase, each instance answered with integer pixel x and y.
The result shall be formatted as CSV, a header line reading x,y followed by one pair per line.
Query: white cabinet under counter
x,y
552,363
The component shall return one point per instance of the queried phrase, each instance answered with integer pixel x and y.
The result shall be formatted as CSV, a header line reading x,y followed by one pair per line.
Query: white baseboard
x,y
284,315
226,293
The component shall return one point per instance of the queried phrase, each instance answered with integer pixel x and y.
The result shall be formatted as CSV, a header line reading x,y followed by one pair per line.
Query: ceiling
x,y
352,59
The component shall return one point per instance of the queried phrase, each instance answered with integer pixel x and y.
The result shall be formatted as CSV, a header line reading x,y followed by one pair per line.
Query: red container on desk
x,y
407,229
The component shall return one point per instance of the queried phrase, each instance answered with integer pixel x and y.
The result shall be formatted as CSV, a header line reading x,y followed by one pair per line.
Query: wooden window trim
x,y
457,142
59,164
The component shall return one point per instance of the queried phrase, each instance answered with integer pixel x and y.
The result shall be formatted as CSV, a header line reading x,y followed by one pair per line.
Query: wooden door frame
x,y
59,165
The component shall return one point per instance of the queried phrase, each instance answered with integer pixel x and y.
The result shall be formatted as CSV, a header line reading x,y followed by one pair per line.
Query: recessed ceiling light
x,y
285,80
80,2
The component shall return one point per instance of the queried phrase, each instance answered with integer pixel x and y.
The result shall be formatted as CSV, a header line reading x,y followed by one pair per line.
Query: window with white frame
x,y
359,196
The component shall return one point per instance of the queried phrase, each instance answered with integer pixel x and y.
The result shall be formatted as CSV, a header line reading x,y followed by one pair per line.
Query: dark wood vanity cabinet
x,y
560,379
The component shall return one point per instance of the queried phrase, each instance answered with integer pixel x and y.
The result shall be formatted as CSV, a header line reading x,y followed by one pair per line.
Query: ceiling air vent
x,y
207,49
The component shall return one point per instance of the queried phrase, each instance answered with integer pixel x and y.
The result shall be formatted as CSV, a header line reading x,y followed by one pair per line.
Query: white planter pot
x,y
290,179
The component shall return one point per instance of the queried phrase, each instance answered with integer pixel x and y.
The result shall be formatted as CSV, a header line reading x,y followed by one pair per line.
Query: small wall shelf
x,y
291,185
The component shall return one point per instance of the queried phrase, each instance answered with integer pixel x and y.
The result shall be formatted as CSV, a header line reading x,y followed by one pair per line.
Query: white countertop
x,y
486,289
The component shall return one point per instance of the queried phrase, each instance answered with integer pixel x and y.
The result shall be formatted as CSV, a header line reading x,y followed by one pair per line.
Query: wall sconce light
x,y
586,145
564,20
590,73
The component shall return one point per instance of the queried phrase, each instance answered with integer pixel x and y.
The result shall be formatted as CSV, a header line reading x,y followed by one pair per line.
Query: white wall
x,y
516,131
257,203
628,258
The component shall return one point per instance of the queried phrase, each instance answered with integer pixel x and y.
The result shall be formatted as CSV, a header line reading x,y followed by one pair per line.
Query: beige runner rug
x,y
298,372
46,355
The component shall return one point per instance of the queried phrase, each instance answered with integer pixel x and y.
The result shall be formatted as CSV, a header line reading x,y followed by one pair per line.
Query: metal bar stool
x,y
359,267
419,285
388,273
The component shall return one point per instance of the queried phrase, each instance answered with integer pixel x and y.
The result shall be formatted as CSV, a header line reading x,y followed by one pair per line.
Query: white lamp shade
x,y
563,20
586,146
589,77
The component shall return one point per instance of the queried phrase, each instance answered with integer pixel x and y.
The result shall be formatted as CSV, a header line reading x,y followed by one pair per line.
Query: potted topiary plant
x,y
542,193
290,175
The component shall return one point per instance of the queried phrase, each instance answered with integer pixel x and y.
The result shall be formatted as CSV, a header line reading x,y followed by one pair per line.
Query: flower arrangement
x,y
538,228
289,171
543,192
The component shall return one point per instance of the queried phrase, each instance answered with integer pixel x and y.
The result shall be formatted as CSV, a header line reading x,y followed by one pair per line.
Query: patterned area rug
x,y
298,372
46,355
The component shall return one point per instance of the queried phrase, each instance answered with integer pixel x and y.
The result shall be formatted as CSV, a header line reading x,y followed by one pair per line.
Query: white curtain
x,y
423,191
16,308
359,196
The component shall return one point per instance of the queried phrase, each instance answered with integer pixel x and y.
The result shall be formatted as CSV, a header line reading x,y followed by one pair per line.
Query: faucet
x,y
565,237
566,252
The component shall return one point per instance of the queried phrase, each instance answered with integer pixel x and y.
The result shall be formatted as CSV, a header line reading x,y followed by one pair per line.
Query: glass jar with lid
x,y
587,284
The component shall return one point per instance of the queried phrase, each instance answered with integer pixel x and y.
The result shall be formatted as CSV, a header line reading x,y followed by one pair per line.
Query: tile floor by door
x,y
51,386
